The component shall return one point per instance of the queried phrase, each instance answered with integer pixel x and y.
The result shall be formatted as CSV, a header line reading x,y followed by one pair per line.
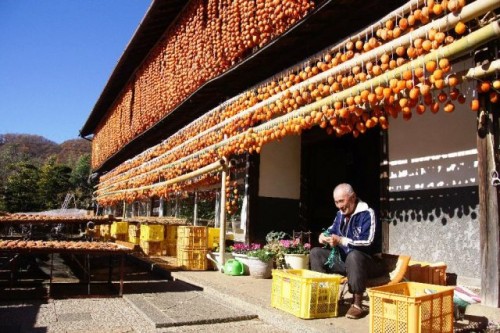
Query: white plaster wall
x,y
280,169
433,189
433,150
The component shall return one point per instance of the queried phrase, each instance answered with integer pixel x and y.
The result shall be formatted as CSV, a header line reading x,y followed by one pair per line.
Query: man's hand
x,y
332,240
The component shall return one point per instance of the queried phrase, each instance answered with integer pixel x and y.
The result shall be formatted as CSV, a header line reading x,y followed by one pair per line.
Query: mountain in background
x,y
36,174
71,150
36,149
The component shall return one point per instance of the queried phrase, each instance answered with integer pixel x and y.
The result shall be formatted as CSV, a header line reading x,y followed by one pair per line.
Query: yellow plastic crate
x,y
171,233
121,237
192,260
152,232
104,231
213,238
151,248
119,228
133,230
411,307
192,237
305,294
171,249
134,240
425,272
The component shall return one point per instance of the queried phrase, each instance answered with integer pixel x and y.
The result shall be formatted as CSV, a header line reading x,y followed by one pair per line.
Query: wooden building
x,y
302,95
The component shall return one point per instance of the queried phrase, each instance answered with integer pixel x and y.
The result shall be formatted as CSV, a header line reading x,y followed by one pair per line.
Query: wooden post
x,y
222,223
195,208
489,229
161,209
217,210
384,192
176,214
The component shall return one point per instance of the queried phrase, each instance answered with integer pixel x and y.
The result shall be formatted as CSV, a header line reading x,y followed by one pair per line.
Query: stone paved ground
x,y
26,308
99,315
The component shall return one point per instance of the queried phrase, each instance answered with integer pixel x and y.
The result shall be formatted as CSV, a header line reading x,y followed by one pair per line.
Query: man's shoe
x,y
355,312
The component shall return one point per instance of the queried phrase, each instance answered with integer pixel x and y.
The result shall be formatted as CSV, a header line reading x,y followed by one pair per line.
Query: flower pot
x,y
260,269
216,257
243,258
296,261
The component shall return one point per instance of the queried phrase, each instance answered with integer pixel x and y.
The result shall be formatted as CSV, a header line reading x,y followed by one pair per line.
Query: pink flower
x,y
294,246
285,243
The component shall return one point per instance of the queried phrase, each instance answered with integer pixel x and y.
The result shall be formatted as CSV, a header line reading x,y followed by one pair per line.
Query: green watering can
x,y
234,267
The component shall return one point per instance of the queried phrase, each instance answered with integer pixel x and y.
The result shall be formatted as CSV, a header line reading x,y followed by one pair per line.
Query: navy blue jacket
x,y
360,230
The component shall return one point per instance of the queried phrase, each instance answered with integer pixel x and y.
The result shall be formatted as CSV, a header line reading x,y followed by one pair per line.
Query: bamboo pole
x,y
216,166
483,70
452,51
445,23
367,31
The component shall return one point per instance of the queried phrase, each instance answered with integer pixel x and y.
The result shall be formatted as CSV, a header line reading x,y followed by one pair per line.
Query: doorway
x,y
327,161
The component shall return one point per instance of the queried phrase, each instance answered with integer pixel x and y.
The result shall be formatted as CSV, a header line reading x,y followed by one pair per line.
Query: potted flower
x,y
214,256
296,253
240,253
260,263
273,239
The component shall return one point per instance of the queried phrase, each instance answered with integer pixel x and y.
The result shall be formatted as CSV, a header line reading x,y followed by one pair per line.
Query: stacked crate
x,y
425,272
151,239
171,240
103,232
192,248
213,238
134,233
119,231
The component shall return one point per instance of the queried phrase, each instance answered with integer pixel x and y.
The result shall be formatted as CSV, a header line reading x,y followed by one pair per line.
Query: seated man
x,y
352,242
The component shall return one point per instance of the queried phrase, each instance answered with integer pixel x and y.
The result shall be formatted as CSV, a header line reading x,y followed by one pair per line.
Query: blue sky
x,y
55,58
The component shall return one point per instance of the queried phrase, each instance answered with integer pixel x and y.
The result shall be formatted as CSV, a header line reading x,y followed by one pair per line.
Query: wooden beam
x,y
489,229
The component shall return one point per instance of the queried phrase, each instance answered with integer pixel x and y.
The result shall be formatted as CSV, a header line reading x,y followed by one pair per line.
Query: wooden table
x,y
117,250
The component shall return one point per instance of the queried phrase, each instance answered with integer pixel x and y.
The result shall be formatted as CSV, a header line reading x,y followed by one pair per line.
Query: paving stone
x,y
148,310
185,308
74,316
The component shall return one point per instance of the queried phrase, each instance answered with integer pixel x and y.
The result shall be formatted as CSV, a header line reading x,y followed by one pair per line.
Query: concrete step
x,y
179,304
